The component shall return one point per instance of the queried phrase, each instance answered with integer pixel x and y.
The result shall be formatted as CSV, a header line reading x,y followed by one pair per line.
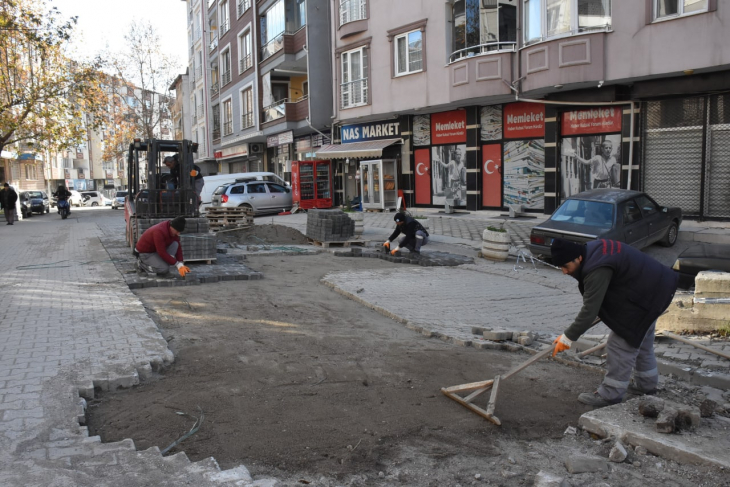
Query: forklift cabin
x,y
150,199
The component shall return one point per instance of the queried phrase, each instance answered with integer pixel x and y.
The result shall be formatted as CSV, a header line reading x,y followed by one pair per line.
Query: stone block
x,y
651,406
510,347
477,330
497,335
688,418
707,408
665,421
712,282
525,340
585,463
486,345
618,453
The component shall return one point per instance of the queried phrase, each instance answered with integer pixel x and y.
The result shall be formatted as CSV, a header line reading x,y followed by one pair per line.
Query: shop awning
x,y
356,150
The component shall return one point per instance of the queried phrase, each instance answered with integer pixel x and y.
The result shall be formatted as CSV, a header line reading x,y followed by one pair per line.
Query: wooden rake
x,y
478,388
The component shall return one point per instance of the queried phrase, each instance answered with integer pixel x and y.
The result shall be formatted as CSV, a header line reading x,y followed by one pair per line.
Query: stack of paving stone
x,y
329,226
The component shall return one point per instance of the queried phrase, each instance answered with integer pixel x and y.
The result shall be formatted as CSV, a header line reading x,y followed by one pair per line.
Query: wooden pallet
x,y
207,261
335,243
217,210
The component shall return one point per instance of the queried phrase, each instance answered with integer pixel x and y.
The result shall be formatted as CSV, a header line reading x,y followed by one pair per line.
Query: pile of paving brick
x,y
425,259
329,226
673,417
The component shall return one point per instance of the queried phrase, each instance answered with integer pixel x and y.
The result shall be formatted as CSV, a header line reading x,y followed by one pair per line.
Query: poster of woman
x,y
590,162
448,174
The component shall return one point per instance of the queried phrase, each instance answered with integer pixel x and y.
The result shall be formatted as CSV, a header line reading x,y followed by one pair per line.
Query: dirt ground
x,y
264,234
302,384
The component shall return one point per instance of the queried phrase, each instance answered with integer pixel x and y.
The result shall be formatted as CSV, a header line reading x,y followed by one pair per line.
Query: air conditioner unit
x,y
255,148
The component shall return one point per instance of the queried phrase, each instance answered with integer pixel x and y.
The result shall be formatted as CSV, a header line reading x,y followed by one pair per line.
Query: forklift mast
x,y
154,196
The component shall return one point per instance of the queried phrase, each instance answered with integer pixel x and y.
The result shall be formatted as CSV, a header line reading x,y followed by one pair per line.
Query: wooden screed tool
x,y
478,388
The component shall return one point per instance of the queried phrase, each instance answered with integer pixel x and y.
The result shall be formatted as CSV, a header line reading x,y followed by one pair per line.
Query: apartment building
x,y
488,103
180,108
253,65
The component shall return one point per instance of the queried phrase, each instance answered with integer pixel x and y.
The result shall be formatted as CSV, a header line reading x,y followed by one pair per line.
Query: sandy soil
x,y
299,383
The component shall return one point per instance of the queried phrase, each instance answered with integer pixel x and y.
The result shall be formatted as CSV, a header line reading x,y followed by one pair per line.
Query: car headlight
x,y
676,265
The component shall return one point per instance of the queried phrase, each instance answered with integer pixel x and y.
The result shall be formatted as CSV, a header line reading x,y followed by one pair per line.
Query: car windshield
x,y
590,213
35,194
121,194
220,189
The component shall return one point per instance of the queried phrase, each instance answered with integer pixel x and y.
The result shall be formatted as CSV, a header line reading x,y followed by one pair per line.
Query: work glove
x,y
182,269
392,252
387,244
561,343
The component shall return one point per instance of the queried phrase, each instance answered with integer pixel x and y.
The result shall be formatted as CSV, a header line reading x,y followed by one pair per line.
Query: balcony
x,y
243,5
227,128
246,120
226,78
488,48
214,89
225,26
289,42
354,93
213,44
286,110
216,133
245,63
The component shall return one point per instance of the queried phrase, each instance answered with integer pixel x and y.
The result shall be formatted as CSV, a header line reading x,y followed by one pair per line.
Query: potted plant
x,y
495,243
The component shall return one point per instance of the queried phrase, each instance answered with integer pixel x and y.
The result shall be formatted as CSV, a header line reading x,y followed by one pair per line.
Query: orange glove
x,y
387,244
182,270
561,343
392,252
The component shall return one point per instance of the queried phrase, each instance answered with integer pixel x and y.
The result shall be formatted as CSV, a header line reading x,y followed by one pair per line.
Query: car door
x,y
653,217
634,228
258,197
280,196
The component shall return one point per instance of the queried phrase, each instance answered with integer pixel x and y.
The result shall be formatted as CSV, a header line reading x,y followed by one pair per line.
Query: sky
x,y
105,22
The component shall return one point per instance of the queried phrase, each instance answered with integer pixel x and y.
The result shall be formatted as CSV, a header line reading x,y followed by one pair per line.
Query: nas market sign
x,y
371,131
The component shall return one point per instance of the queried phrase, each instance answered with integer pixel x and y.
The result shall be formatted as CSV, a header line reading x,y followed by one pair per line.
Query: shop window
x,y
667,9
482,26
354,87
409,53
546,19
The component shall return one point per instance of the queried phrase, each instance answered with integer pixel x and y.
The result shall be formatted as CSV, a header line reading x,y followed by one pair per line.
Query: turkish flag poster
x,y
423,176
492,175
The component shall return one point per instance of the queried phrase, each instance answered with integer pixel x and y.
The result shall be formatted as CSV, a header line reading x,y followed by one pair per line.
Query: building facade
x,y
484,104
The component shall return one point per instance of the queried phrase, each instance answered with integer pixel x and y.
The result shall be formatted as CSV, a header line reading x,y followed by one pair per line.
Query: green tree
x,y
46,99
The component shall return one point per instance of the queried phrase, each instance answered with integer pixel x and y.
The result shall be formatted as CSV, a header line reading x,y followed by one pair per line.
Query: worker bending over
x,y
159,248
628,290
415,236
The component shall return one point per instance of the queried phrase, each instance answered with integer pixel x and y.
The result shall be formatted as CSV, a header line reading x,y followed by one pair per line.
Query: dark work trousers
x,y
421,240
10,215
622,360
152,262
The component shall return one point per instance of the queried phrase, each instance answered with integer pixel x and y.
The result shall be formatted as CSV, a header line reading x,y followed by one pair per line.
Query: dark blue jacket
x,y
409,229
640,290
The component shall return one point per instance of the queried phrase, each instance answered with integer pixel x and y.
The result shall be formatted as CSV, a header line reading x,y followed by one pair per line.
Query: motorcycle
x,y
64,208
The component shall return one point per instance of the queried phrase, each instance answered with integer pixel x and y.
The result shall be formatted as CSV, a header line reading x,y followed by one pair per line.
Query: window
x,y
482,26
225,63
227,118
273,25
408,53
631,212
216,122
224,19
243,5
256,188
354,87
245,60
30,172
277,188
352,10
238,190
247,108
648,207
545,19
664,9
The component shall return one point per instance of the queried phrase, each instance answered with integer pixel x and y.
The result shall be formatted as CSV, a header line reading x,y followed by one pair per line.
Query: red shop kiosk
x,y
311,184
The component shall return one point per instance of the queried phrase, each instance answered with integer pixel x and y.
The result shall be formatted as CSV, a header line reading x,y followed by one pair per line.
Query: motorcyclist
x,y
62,194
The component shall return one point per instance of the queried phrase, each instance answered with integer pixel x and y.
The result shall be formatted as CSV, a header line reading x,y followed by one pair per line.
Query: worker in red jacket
x,y
159,248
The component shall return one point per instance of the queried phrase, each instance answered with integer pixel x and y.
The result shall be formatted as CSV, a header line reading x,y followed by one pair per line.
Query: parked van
x,y
210,183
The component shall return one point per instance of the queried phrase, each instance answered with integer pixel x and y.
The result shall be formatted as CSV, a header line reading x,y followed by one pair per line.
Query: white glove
x,y
562,343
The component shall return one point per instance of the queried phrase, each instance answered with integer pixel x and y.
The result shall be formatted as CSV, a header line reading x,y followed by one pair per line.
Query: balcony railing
x,y
227,128
354,93
245,63
214,88
246,120
214,44
225,25
200,110
216,133
243,5
352,10
490,47
274,111
226,78
272,47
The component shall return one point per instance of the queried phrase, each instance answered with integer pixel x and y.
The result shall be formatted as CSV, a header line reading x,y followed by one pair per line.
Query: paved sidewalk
x,y
69,325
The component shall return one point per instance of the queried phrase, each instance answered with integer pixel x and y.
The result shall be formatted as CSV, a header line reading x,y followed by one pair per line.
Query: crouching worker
x,y
415,236
628,290
159,248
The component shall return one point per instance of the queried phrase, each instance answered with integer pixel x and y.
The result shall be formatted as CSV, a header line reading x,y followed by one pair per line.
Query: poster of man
x,y
590,162
448,175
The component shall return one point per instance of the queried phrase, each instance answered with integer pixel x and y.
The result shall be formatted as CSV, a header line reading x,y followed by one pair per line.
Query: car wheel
x,y
94,204
48,210
671,236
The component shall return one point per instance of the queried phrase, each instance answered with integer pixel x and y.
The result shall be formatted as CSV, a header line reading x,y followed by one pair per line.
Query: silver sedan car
x,y
261,196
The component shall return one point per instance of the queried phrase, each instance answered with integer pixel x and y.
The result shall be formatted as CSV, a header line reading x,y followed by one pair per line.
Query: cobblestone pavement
x,y
70,325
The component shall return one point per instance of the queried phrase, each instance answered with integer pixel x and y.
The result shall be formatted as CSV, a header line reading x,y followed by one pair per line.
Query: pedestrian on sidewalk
x,y
8,198
159,248
414,235
628,290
